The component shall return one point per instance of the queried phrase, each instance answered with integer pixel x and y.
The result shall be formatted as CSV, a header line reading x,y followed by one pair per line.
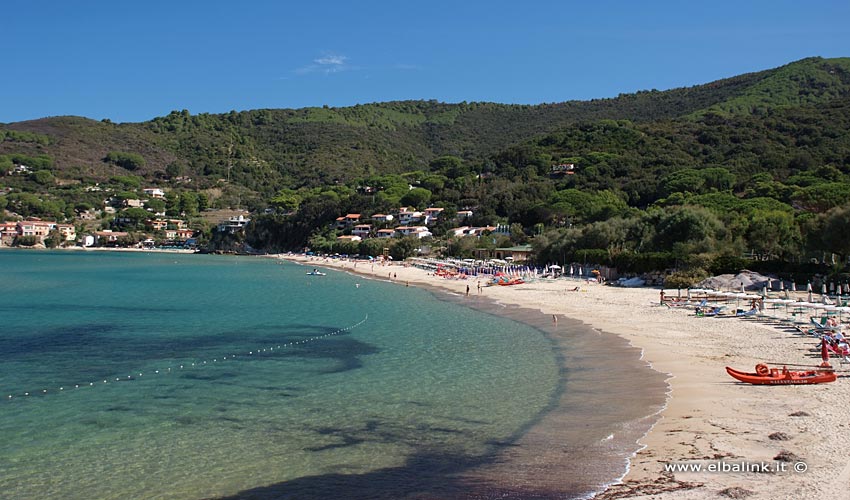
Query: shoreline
x,y
706,415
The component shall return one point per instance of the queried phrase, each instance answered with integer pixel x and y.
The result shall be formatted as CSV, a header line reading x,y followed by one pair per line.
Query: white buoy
x,y
26,394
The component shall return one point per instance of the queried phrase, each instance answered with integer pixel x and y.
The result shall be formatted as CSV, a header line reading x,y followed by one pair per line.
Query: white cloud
x,y
327,64
331,59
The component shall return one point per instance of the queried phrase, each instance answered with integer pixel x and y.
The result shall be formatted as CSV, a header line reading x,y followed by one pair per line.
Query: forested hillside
x,y
733,157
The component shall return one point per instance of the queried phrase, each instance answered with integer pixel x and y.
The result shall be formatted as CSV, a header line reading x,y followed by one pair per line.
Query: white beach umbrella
x,y
809,286
781,285
793,286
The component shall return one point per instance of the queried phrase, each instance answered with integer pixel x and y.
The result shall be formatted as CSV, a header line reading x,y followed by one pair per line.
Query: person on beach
x,y
555,319
467,290
479,288
662,297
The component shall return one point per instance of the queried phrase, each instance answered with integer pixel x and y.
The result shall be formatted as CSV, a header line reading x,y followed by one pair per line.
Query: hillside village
x,y
132,222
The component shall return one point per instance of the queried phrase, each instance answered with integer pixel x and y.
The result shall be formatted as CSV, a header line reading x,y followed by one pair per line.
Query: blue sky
x,y
132,61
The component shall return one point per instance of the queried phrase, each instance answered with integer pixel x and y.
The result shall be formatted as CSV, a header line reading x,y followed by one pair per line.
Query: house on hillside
x,y
349,237
362,230
418,231
519,253
234,224
407,216
8,233
154,193
433,215
347,221
382,218
67,232
107,237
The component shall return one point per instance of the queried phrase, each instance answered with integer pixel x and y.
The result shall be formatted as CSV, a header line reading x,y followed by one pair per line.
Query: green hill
x,y
264,150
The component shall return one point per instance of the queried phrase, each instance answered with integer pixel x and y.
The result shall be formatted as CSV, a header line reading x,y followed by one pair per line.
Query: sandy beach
x,y
709,418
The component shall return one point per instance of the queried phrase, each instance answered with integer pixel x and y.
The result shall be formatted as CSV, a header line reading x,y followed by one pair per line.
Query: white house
x,y
406,216
382,218
418,231
154,193
362,230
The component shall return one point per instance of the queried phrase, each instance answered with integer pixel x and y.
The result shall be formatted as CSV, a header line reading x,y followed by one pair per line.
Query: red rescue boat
x,y
765,375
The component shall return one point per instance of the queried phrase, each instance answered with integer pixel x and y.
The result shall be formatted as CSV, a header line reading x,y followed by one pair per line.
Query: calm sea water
x,y
422,387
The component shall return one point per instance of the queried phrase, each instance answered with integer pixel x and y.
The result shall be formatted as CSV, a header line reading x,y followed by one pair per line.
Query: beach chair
x,y
715,311
751,312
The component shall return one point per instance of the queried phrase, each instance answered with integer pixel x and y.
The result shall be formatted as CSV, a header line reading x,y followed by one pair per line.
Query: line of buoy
x,y
10,397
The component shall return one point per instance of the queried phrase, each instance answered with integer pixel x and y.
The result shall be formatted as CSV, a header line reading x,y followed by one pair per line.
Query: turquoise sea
x,y
135,376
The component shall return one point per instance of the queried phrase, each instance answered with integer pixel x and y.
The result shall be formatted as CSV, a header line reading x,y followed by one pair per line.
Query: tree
x,y
130,161
174,169
450,166
404,248
416,197
43,177
157,205
773,233
189,203
137,215
287,200
833,231
203,201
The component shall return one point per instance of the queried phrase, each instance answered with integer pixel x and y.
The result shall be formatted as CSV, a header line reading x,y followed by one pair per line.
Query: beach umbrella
x,y
823,288
809,286
781,285
793,286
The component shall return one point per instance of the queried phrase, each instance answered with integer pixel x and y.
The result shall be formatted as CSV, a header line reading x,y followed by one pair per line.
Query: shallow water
x,y
207,376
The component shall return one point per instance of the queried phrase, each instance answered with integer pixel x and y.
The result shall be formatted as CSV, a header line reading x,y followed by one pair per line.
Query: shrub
x,y
685,279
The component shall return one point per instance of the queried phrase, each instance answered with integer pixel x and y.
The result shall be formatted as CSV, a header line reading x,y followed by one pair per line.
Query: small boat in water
x,y
765,375
315,272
